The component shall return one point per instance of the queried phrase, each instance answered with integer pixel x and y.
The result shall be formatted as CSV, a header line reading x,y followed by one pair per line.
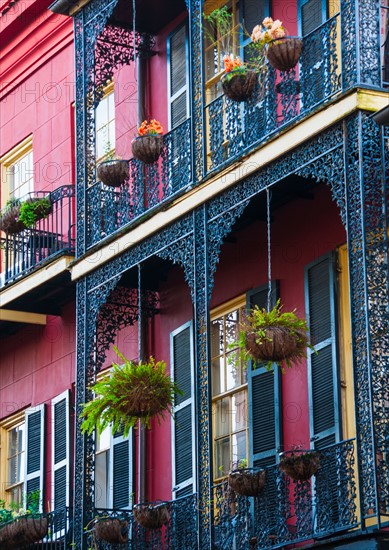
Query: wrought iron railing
x,y
178,533
54,235
46,532
148,185
236,127
289,511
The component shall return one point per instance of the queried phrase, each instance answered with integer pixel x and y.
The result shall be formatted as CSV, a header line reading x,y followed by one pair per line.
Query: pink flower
x,y
257,34
267,22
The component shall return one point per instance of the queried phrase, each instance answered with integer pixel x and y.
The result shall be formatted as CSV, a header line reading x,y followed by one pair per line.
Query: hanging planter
x,y
284,53
151,516
23,531
300,465
134,391
147,147
113,172
238,85
9,217
273,336
247,481
18,215
112,530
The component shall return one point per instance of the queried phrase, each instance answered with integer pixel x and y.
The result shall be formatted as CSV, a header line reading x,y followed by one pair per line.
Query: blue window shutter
x,y
120,470
264,396
34,464
322,364
183,411
60,407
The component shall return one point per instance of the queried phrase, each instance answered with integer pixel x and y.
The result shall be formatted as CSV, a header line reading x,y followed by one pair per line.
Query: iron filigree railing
x,y
46,239
286,511
236,127
147,187
179,532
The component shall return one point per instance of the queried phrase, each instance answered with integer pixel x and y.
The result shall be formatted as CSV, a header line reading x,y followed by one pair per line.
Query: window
x,y
22,449
17,179
105,124
229,391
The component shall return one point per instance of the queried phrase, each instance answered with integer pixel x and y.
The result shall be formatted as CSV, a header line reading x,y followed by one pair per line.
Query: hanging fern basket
x,y
276,344
300,465
113,172
147,148
22,215
112,530
238,85
247,481
9,220
284,53
151,516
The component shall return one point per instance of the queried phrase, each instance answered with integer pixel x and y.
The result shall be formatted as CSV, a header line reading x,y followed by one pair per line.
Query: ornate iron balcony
x,y
178,529
48,238
147,187
288,511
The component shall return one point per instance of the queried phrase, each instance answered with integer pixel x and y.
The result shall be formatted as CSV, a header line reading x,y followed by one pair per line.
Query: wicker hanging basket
x,y
247,481
147,148
151,516
22,532
9,220
277,344
300,465
284,53
239,86
113,172
112,530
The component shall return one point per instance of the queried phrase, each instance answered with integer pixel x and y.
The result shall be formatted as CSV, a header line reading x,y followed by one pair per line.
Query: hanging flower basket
x,y
284,53
238,85
151,516
147,148
247,481
134,391
19,215
112,530
9,219
113,172
300,465
22,531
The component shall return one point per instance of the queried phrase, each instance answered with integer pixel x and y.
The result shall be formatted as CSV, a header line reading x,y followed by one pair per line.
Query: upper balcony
x,y
207,132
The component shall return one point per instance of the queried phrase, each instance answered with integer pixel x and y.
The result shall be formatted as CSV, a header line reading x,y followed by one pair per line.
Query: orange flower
x,y
150,128
231,63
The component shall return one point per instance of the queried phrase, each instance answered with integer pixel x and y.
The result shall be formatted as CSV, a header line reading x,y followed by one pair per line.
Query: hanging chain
x,y
268,250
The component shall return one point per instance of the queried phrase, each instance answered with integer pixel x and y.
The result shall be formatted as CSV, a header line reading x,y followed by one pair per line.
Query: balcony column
x,y
360,43
366,192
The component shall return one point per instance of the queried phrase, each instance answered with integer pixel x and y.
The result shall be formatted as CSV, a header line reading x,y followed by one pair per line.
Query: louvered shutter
x,y
177,48
34,463
60,450
322,365
313,14
264,402
120,470
183,412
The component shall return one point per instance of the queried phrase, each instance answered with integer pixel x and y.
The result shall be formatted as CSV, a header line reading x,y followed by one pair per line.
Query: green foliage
x,y
11,203
259,320
218,28
134,391
34,209
15,509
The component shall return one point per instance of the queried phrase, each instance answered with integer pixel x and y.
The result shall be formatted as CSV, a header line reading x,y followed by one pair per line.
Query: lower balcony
x,y
284,512
27,249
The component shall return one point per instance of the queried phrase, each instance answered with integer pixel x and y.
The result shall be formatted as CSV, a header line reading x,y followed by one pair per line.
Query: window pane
x,y
239,411
222,417
222,457
239,447
101,480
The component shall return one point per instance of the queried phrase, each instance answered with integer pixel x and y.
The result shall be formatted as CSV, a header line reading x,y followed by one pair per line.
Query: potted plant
x,y
147,146
18,215
238,81
151,515
300,465
9,217
112,530
246,481
283,52
20,527
273,337
134,391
